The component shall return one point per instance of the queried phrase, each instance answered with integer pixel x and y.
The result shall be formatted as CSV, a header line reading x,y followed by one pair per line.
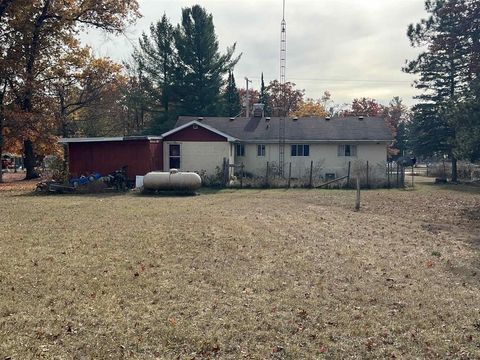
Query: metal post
x,y
348,174
247,100
413,176
266,177
398,168
289,174
388,174
241,176
368,182
311,174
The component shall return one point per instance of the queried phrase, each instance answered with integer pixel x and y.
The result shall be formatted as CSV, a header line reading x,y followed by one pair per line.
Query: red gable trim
x,y
195,133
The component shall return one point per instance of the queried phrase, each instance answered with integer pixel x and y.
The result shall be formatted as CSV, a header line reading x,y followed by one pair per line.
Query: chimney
x,y
232,118
360,117
327,118
295,118
258,110
200,118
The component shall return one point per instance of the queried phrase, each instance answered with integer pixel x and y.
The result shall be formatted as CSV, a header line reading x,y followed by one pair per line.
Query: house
x,y
140,154
202,143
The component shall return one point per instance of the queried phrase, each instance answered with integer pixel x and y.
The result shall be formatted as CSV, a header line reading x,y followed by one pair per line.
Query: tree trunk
x,y
2,120
29,160
454,169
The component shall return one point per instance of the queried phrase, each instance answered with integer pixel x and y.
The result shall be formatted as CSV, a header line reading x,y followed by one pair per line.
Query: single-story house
x,y
202,143
140,154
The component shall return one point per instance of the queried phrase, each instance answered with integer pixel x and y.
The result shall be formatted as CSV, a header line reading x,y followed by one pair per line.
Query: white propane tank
x,y
172,181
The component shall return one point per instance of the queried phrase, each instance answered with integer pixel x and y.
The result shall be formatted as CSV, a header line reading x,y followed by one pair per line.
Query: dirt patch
x,y
240,274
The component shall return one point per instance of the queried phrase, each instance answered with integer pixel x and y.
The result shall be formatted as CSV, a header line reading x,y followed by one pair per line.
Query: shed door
x,y
174,156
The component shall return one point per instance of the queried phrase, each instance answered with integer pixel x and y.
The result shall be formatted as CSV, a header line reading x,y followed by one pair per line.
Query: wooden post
x,y
427,169
225,171
348,174
311,174
368,182
289,174
241,176
266,176
357,200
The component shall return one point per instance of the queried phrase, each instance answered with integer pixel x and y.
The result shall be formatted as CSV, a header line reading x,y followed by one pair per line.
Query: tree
x,y
264,97
232,97
156,58
396,115
446,69
40,32
201,67
310,108
363,107
284,99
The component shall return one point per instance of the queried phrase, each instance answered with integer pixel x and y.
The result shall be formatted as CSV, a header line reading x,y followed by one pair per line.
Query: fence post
x,y
368,182
311,174
241,176
388,174
413,177
398,184
348,174
427,169
357,200
225,171
266,176
289,174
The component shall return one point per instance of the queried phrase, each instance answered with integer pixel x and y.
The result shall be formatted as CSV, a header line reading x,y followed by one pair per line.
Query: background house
x,y
201,144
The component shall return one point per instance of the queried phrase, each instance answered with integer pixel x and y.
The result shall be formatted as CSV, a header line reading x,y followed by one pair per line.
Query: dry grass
x,y
241,274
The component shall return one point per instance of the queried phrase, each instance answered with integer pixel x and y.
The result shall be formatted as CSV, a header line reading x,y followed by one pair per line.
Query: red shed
x,y
104,155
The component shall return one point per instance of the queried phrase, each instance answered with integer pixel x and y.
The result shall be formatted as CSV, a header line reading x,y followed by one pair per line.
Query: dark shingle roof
x,y
303,129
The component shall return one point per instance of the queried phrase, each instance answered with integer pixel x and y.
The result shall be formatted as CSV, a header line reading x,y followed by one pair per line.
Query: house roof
x,y
304,129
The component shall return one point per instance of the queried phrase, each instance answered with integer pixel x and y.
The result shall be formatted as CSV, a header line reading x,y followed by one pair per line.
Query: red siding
x,y
191,134
140,156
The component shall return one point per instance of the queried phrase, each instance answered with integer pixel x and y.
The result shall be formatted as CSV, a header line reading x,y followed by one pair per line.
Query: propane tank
x,y
172,181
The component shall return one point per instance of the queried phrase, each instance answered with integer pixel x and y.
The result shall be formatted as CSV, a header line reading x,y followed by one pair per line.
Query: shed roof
x,y
106,139
303,129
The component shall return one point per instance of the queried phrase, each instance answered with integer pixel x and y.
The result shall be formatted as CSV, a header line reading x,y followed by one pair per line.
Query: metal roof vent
x,y
327,118
258,110
268,118
360,118
295,118
232,118
200,118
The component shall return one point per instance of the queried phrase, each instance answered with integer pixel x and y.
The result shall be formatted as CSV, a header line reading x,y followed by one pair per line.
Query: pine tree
x,y
444,75
201,67
156,59
232,97
264,98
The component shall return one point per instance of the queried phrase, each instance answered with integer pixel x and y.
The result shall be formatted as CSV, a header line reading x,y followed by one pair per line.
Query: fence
x,y
314,176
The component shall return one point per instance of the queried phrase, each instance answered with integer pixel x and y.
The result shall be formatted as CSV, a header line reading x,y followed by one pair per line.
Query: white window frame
x,y
240,150
351,149
297,147
261,150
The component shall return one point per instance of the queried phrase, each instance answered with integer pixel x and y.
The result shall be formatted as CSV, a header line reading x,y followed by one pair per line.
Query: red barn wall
x,y
198,134
140,156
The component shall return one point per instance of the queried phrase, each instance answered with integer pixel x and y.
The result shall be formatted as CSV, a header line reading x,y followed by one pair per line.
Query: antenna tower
x,y
283,106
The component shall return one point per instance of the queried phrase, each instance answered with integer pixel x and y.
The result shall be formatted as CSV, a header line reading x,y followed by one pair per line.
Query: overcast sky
x,y
351,48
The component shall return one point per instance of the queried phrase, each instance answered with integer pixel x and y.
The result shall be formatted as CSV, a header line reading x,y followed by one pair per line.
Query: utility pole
x,y
247,100
283,111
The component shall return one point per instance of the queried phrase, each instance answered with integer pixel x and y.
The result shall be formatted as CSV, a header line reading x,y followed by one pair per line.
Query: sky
x,y
352,48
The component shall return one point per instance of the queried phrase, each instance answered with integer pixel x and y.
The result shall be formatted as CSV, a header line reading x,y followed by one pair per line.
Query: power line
x,y
346,80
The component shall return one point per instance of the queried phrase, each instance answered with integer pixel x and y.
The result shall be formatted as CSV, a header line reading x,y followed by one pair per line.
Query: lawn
x,y
235,274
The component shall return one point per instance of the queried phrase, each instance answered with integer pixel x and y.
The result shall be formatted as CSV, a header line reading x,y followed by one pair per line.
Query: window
x,y
174,156
260,150
240,150
300,150
347,150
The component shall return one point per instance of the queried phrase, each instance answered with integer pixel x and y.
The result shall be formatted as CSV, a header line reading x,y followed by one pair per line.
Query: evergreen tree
x,y
264,97
156,58
201,67
444,75
232,97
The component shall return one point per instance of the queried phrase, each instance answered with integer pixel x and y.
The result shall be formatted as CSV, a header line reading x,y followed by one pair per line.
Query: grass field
x,y
235,274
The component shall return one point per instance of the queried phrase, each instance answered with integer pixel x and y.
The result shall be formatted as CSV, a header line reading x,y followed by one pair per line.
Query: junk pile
x,y
94,182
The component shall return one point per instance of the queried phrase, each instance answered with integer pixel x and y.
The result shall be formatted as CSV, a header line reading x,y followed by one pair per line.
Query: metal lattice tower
x,y
283,108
